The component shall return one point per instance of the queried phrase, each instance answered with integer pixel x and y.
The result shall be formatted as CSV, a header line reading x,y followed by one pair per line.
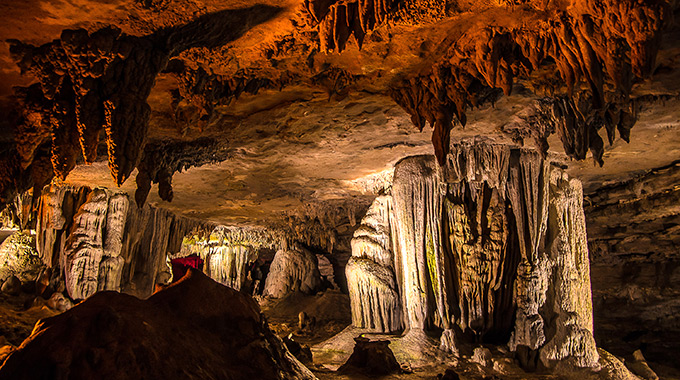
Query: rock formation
x,y
228,252
492,244
291,271
19,258
95,239
193,329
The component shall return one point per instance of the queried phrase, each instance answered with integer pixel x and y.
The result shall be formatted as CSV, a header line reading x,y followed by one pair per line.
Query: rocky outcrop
x,y
293,270
492,244
194,329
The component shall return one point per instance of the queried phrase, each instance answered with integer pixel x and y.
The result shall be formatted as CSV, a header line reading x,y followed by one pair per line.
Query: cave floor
x,y
331,340
18,315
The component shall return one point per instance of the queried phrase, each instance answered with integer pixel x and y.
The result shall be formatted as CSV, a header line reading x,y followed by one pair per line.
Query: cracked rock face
x,y
495,233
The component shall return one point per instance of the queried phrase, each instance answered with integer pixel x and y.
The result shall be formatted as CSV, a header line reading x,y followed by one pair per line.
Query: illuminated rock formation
x,y
228,252
291,271
494,234
19,258
370,272
98,241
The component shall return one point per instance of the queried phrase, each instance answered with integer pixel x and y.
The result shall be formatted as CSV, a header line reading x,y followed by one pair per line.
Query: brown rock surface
x,y
194,328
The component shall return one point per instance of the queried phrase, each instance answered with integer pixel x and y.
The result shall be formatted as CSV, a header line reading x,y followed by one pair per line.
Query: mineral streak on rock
x,y
496,232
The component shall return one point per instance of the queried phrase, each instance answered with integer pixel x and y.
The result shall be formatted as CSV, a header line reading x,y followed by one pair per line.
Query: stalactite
x,y
338,21
97,81
590,43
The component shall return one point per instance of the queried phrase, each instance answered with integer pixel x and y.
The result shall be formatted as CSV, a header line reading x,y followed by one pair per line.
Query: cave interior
x,y
340,189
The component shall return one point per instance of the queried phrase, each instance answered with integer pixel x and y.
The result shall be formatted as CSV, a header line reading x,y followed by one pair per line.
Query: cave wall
x,y
491,246
634,235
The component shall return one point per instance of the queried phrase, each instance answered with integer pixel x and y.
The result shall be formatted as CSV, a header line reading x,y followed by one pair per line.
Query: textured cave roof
x,y
269,122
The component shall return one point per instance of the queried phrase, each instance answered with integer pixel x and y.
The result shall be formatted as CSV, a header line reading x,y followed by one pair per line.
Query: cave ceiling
x,y
238,112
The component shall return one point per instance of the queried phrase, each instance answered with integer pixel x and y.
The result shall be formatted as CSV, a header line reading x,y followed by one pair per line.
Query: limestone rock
x,y
482,356
292,271
19,258
495,232
195,329
447,342
59,303
640,367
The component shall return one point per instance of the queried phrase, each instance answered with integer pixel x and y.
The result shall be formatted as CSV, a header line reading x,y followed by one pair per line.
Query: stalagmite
x,y
496,232
373,288
291,271
572,304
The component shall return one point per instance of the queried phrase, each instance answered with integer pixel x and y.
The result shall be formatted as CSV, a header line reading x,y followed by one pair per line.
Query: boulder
x,y
371,357
193,329
19,258
482,356
12,286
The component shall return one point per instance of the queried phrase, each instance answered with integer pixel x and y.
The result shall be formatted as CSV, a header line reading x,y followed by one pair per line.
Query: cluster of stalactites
x,y
592,43
228,251
100,81
338,21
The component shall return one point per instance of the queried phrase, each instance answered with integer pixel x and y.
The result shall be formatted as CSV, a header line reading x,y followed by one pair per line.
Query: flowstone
x,y
491,245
